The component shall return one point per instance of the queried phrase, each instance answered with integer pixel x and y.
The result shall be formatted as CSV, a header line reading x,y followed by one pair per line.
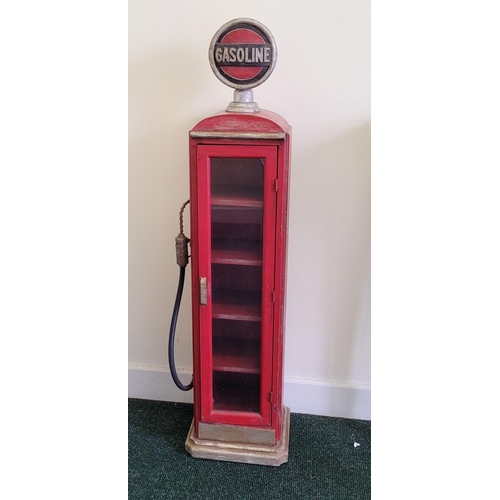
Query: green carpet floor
x,y
323,461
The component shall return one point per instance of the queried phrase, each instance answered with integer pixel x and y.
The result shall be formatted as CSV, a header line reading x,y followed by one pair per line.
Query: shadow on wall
x,y
330,205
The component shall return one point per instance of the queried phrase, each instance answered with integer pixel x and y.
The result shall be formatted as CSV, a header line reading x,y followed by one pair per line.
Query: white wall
x,y
321,86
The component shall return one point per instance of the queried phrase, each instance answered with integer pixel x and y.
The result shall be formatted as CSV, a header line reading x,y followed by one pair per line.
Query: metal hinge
x,y
273,296
276,185
271,397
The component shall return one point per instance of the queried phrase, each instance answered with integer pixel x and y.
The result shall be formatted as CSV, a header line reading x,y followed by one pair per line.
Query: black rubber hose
x,y
171,338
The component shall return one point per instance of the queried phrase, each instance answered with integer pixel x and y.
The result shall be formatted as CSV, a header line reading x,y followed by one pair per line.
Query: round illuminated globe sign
x,y
243,54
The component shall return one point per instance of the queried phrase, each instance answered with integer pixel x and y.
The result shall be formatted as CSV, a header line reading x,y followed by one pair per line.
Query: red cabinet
x,y
239,178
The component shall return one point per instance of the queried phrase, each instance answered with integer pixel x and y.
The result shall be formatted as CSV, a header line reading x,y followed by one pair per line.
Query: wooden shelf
x,y
236,305
238,312
237,252
237,196
236,355
235,364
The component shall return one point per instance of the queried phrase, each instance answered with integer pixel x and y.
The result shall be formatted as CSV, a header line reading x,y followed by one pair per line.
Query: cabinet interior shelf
x,y
237,252
238,312
237,305
240,356
237,196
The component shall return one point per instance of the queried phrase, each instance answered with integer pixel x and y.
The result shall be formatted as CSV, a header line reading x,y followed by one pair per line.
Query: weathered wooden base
x,y
241,451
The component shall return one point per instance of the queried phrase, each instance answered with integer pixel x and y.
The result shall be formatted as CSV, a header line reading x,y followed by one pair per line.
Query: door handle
x,y
203,291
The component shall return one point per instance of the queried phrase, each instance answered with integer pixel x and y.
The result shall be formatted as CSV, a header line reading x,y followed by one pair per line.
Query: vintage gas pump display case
x,y
239,183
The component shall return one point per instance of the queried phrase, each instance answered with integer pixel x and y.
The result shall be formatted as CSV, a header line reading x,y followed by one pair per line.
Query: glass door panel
x,y
237,223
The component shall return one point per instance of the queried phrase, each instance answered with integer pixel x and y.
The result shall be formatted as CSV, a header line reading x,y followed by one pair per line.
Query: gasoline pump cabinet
x,y
239,184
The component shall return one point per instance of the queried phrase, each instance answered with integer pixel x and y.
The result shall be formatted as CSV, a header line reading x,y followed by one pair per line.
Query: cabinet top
x,y
265,124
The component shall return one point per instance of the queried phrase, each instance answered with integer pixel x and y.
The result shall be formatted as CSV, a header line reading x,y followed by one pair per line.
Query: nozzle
x,y
181,249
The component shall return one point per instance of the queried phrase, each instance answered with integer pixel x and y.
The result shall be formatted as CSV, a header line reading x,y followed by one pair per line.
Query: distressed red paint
x,y
220,137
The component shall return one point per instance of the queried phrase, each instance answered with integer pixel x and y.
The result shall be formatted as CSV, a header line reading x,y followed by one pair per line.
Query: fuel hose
x,y
181,249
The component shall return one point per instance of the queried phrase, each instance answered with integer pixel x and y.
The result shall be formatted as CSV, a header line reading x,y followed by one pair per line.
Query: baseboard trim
x,y
301,395
329,398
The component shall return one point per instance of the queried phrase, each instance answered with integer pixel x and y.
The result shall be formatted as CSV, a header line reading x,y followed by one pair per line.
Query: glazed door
x,y
236,231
